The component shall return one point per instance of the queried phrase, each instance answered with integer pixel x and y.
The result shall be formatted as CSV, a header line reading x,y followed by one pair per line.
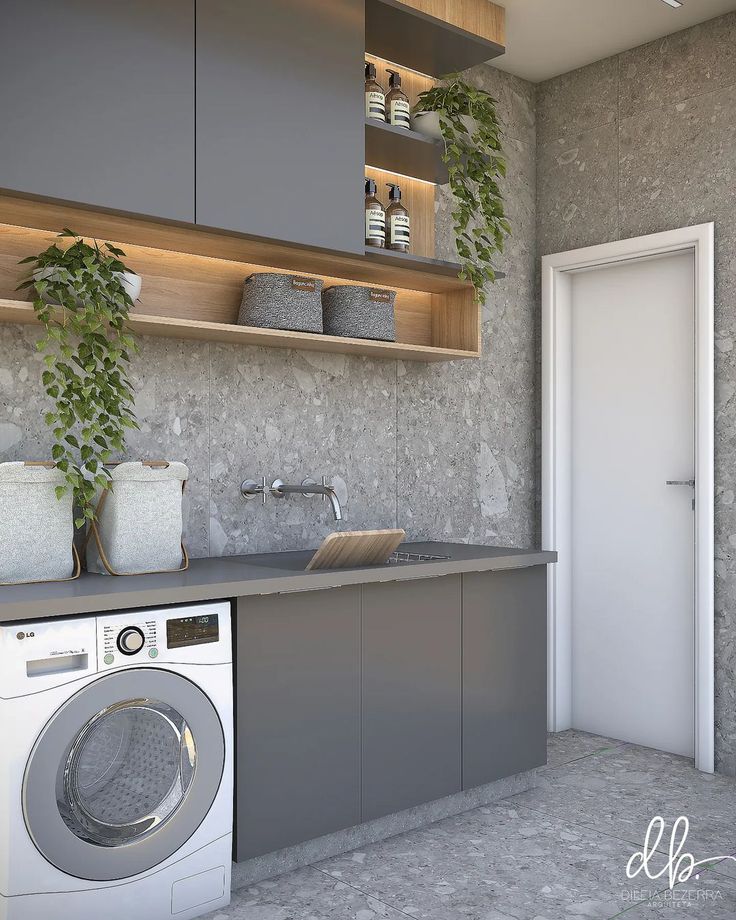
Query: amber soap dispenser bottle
x,y
375,98
397,102
375,217
398,230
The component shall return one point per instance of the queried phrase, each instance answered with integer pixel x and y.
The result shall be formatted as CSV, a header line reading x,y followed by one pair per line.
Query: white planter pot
x,y
428,124
130,281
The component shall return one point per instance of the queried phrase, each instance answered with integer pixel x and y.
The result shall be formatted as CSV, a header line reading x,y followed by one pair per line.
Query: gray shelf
x,y
397,32
420,263
400,150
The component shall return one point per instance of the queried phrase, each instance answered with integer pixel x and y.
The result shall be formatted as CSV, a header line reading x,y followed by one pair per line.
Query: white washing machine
x,y
116,747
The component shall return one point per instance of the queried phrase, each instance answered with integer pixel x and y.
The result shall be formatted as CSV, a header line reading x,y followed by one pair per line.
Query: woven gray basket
x,y
359,312
275,301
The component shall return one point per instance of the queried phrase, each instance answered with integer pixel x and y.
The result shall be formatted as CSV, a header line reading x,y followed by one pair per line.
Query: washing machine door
x,y
123,774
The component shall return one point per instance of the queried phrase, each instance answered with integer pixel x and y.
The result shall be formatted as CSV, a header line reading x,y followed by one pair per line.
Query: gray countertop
x,y
239,576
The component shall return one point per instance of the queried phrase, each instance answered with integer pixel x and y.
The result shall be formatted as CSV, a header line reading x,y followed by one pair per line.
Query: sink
x,y
297,561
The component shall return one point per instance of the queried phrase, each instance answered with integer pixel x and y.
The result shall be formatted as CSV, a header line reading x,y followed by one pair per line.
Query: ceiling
x,y
545,38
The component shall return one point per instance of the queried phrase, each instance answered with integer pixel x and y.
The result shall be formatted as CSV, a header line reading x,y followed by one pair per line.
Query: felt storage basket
x,y
36,527
139,521
359,312
278,301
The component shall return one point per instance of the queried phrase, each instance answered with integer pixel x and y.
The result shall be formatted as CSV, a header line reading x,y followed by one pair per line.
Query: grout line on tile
x,y
618,147
396,444
679,101
366,894
566,819
209,449
603,750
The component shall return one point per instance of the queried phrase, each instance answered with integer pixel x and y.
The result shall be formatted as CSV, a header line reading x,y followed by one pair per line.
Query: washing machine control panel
x,y
193,633
125,641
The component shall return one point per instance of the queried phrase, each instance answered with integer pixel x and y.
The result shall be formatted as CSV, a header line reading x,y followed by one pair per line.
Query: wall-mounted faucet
x,y
249,489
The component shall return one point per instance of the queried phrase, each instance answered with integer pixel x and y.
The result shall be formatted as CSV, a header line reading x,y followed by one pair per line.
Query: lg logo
x,y
22,635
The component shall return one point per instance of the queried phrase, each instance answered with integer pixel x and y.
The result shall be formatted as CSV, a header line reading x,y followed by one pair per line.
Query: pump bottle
x,y
398,230
375,98
375,217
397,102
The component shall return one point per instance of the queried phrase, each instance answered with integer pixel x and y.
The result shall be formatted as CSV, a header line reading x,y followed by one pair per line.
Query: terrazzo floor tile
x,y
620,793
304,895
568,746
497,860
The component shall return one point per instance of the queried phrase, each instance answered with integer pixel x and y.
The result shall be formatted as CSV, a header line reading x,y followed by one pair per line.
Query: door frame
x,y
556,462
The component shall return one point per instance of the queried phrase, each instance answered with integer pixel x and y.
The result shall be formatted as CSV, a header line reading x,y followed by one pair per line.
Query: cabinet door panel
x,y
280,136
297,670
411,693
97,103
504,673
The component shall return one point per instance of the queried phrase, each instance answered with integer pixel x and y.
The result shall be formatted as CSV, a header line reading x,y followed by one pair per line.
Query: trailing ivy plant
x,y
79,298
474,158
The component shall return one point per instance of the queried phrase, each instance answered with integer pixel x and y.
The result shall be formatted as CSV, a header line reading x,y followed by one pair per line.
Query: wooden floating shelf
x,y
193,283
12,311
435,37
401,150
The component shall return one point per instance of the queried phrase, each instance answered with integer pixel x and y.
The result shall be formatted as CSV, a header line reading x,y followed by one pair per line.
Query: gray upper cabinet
x,y
280,136
97,103
411,693
297,721
504,673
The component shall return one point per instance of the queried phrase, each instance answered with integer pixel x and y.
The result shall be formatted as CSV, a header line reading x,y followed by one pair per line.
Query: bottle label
x,y
375,105
400,228
375,225
399,114
381,296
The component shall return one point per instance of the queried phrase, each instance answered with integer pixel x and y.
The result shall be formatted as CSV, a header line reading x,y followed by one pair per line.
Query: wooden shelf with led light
x,y
193,283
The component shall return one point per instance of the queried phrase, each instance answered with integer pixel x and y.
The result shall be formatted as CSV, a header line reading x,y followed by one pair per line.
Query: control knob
x,y
131,640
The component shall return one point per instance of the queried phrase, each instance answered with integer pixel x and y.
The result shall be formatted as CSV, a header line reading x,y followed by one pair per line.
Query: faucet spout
x,y
308,487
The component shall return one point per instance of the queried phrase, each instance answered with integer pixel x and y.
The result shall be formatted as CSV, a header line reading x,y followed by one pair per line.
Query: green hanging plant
x,y
474,158
80,296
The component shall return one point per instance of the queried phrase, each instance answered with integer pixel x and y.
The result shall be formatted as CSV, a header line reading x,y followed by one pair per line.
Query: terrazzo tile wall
x,y
446,451
642,142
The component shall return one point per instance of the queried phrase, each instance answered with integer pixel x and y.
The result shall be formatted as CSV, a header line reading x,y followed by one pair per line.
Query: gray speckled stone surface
x,y
294,415
466,466
558,852
577,183
680,66
500,860
565,104
666,160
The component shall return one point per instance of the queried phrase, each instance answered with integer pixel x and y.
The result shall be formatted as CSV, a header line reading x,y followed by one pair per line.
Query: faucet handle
x,y
313,482
250,489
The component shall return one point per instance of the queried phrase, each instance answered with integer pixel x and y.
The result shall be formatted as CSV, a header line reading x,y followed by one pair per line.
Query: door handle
x,y
681,482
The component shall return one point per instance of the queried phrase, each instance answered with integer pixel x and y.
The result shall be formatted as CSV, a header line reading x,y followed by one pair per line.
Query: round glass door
x,y
127,772
123,774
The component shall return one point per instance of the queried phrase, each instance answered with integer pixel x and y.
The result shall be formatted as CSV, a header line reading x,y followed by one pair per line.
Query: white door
x,y
632,534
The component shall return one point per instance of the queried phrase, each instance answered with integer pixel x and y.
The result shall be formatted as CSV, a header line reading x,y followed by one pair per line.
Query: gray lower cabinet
x,y
97,103
280,135
504,673
297,718
411,693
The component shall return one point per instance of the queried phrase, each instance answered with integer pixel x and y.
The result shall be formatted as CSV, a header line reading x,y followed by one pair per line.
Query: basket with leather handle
x,y
137,529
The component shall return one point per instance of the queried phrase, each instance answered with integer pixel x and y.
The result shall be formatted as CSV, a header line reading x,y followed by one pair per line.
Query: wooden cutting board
x,y
353,548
